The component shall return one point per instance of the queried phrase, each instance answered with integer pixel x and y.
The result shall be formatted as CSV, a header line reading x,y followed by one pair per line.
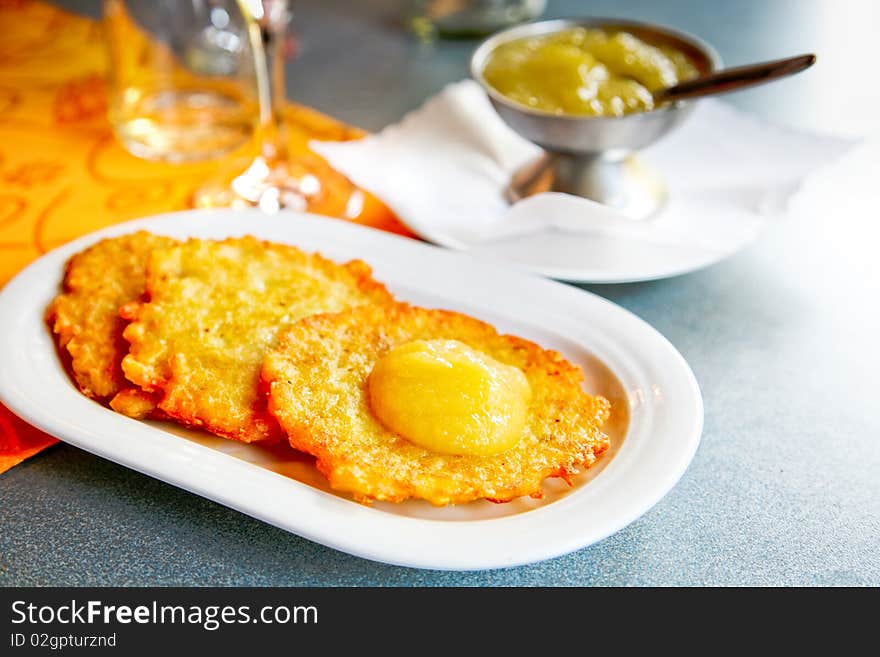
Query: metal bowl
x,y
594,157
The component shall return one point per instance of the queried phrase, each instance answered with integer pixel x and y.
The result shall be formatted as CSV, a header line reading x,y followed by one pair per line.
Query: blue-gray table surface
x,y
783,338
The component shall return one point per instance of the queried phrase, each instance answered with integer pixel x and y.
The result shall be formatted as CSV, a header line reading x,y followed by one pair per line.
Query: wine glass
x,y
197,80
272,180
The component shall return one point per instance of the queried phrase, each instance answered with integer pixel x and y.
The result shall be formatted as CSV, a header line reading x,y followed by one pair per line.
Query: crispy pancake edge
x,y
85,319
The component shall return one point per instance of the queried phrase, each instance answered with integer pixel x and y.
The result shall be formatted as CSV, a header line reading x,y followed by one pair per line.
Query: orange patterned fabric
x,y
62,174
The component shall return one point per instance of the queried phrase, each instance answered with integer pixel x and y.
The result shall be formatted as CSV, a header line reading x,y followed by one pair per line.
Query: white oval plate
x,y
282,488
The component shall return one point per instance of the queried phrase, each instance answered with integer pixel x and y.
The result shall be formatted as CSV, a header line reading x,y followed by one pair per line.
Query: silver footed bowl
x,y
595,157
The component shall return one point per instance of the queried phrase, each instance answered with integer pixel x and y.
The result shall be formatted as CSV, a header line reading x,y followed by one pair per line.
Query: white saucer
x,y
586,258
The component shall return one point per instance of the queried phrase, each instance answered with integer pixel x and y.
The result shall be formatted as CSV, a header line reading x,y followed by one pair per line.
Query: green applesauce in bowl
x,y
586,71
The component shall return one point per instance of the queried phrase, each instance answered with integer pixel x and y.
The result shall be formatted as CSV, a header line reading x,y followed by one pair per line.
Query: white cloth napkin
x,y
442,169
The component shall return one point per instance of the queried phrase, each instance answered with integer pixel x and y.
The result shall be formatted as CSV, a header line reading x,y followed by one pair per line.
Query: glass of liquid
x,y
197,79
182,80
471,18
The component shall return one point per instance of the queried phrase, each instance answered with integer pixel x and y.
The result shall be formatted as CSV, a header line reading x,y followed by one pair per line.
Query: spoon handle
x,y
531,178
733,79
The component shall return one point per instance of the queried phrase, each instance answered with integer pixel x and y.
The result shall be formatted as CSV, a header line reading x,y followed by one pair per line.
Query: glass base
x,y
268,186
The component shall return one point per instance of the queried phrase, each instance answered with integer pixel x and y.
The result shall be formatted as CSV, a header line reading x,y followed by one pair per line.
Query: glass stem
x,y
274,32
267,28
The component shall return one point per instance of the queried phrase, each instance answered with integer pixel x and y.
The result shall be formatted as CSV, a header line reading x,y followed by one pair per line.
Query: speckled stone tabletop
x,y
783,338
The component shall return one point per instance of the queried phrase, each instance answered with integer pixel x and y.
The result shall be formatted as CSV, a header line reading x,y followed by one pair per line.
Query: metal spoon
x,y
537,176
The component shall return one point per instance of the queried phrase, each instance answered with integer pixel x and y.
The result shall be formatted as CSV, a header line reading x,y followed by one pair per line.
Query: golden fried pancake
x,y
318,390
214,310
85,317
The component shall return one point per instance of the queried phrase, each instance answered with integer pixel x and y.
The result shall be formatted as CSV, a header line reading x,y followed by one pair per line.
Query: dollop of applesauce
x,y
448,397
586,71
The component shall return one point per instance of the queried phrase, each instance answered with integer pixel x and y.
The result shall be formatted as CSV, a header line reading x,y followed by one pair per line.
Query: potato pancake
x,y
214,310
318,376
85,317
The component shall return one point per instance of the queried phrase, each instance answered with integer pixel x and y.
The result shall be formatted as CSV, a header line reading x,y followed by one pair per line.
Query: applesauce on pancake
x,y
399,402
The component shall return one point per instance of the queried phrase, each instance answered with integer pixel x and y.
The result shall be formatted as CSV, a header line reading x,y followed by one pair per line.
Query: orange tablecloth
x,y
62,174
